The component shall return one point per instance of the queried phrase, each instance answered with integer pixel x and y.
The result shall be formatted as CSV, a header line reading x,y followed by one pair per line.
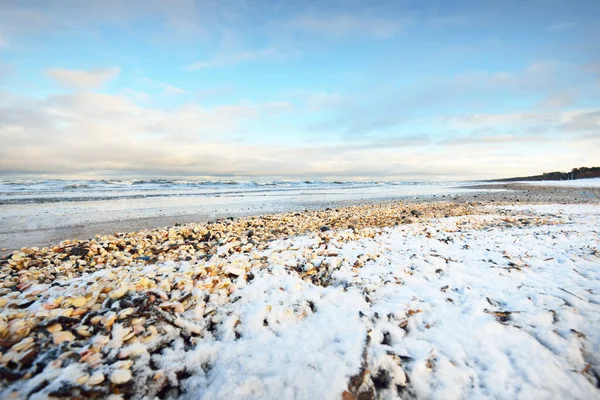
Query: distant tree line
x,y
584,172
576,173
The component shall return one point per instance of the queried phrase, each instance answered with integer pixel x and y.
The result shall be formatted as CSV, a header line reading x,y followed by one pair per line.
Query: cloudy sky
x,y
435,89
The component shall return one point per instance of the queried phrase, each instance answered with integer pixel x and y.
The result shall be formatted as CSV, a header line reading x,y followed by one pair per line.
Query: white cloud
x,y
586,120
561,26
316,100
385,106
165,87
5,70
169,89
81,132
494,120
136,95
537,76
347,25
83,79
233,58
565,121
322,100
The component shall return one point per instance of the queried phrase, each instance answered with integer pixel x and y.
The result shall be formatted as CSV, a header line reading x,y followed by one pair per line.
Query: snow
x,y
498,306
577,183
535,354
446,279
285,350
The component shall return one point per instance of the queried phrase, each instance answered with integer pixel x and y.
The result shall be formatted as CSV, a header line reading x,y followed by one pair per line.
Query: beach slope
x,y
430,300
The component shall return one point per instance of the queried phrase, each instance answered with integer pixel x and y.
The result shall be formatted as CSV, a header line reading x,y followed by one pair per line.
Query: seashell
x,y
23,345
83,331
125,313
101,340
63,336
54,328
109,319
138,320
93,360
8,357
65,312
235,270
96,378
129,336
165,285
79,312
134,349
137,329
118,293
125,364
79,302
18,327
173,305
54,303
82,379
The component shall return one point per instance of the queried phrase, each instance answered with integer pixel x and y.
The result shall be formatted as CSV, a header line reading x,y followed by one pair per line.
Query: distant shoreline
x,y
575,174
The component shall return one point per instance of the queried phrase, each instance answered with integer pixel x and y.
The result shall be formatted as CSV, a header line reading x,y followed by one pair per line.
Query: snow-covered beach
x,y
577,183
299,200
400,300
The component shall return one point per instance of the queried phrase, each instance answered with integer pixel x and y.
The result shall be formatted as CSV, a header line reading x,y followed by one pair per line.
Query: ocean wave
x,y
153,182
23,182
78,186
53,187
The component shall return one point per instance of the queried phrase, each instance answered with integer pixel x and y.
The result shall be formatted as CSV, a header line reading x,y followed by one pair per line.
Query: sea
x,y
58,191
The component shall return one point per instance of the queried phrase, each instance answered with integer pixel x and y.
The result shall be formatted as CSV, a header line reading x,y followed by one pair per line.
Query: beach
x,y
46,212
492,292
35,213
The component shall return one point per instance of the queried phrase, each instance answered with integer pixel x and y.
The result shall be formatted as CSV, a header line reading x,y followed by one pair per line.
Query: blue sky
x,y
328,90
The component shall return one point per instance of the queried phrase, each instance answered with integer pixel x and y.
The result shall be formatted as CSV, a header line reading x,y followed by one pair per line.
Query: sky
x,y
386,90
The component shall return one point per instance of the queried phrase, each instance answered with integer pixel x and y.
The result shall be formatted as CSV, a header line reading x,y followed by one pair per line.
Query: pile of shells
x,y
92,307
193,242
